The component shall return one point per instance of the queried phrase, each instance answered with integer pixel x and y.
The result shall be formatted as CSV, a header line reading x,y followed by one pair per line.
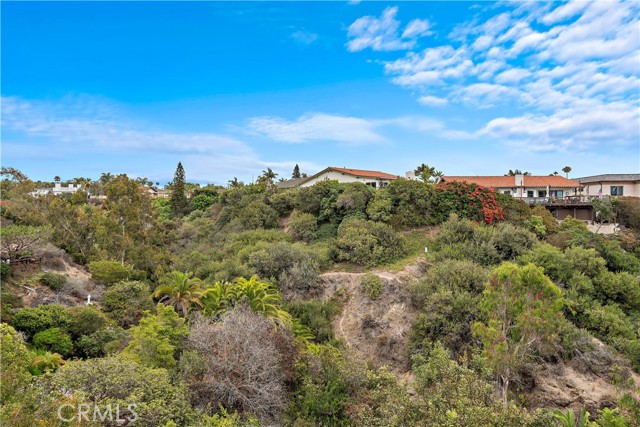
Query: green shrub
x,y
283,201
628,211
85,320
413,204
108,272
98,343
555,263
53,280
371,285
201,202
53,340
367,243
292,265
257,215
322,394
380,207
536,225
303,226
125,302
452,275
548,220
510,241
34,320
5,271
317,316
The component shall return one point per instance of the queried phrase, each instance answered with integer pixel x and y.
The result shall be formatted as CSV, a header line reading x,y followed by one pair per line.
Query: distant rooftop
x,y
510,181
617,177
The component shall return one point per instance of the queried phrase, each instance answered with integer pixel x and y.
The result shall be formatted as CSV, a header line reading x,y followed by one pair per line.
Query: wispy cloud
x,y
89,123
432,101
383,33
317,127
322,127
558,62
304,37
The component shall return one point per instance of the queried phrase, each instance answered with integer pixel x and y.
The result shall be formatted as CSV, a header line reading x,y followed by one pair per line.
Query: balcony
x,y
565,201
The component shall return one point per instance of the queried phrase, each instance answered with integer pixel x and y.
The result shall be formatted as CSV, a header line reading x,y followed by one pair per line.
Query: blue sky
x,y
230,89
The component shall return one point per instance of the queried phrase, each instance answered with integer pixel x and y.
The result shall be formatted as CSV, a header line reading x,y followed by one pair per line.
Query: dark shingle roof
x,y
617,177
290,183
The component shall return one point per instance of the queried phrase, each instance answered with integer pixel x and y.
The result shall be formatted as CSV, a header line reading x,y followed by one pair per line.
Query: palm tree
x,y
234,183
566,170
180,290
105,177
45,362
267,176
218,298
56,178
568,419
259,295
425,172
262,298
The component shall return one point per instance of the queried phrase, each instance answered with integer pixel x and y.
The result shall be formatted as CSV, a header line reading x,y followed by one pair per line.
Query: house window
x,y
507,192
542,193
530,193
558,194
372,184
616,190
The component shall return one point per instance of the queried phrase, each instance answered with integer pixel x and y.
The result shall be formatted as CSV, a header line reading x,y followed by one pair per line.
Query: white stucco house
x,y
57,190
375,179
611,185
527,187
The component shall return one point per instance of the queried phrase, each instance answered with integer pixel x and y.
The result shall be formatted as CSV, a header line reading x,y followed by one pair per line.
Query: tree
x,y
56,178
55,340
522,307
234,183
126,302
155,339
108,272
178,198
106,177
267,177
296,172
516,172
45,362
19,241
180,290
427,174
242,363
566,170
120,383
259,295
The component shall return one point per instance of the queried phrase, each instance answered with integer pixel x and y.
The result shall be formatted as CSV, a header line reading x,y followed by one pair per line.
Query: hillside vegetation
x,y
318,306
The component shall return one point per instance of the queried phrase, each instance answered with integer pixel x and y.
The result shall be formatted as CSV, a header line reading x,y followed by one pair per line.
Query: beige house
x,y
375,179
611,185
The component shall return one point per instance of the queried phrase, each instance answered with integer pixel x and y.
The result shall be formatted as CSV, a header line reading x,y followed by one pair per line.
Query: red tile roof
x,y
364,173
510,181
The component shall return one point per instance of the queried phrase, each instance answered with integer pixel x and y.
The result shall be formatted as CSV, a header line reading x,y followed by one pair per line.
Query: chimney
x,y
519,180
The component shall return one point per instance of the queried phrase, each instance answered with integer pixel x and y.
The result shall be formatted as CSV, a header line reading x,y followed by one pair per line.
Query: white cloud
x,y
567,10
512,75
304,37
432,101
571,128
417,28
317,127
65,128
545,58
383,33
